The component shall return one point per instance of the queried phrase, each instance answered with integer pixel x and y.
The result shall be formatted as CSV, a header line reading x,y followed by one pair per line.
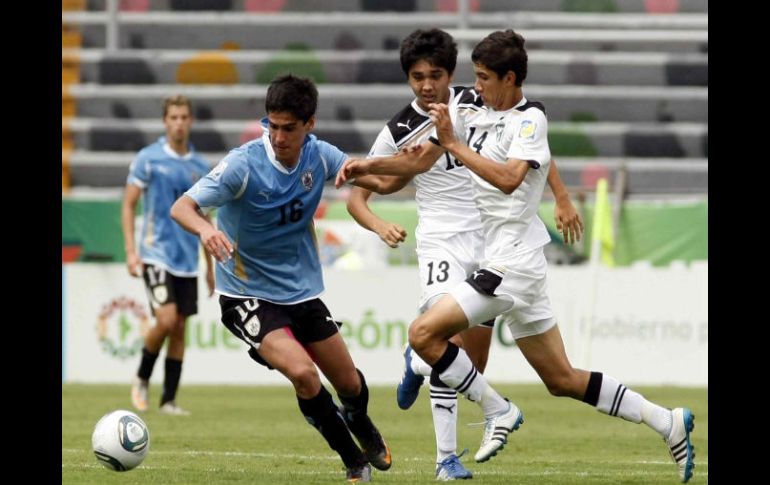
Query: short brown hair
x,y
176,100
501,52
294,95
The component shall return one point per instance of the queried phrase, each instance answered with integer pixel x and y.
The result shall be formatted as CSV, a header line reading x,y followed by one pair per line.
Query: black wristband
x,y
434,140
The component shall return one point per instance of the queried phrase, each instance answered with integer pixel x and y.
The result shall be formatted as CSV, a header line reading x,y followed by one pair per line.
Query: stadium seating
x,y
625,83
71,40
606,6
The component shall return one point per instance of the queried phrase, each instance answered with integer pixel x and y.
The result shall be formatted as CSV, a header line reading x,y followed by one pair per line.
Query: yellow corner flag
x,y
602,229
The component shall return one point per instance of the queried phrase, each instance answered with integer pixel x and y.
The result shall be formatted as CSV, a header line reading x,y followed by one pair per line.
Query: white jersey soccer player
x,y
449,232
450,244
510,165
512,229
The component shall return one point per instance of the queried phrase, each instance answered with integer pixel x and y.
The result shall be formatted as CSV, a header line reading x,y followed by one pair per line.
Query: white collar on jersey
x,y
271,153
171,153
491,112
521,103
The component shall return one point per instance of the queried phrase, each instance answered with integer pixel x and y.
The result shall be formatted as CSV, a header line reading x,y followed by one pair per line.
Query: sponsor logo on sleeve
x,y
528,129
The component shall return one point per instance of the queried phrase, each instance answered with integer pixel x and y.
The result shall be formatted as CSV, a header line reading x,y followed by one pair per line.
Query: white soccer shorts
x,y
446,261
520,298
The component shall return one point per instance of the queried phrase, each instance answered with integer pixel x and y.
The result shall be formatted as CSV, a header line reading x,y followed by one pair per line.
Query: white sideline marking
x,y
335,458
406,472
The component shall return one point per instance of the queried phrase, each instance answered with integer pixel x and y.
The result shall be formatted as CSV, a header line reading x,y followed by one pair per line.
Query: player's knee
x,y
350,385
419,335
303,376
166,324
177,330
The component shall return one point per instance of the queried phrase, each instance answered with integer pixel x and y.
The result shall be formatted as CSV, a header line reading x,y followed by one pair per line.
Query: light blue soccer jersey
x,y
266,210
163,175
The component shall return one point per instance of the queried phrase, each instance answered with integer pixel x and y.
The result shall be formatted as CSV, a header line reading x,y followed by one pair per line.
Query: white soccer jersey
x,y
511,224
444,193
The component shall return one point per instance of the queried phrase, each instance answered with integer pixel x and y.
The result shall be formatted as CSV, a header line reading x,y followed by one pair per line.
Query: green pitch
x,y
256,435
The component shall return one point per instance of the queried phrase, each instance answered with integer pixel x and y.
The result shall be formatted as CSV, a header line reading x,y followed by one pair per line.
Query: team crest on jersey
x,y
528,129
307,179
499,127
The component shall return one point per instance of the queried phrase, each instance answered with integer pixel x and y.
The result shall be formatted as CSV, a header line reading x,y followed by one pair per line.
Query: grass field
x,y
256,435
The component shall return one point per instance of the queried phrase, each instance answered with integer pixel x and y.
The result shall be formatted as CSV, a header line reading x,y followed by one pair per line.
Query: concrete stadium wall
x,y
649,326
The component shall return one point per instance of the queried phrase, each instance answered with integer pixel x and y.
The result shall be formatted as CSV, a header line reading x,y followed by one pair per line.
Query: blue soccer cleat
x,y
409,387
450,468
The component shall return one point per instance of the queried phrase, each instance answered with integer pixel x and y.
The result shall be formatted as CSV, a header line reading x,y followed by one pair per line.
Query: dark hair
x,y
434,46
176,100
502,52
294,95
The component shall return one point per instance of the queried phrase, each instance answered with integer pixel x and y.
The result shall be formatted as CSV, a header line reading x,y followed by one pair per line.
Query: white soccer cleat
x,y
172,409
496,430
678,441
140,394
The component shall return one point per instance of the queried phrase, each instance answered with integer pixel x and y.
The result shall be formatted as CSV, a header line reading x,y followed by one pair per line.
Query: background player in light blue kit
x,y
270,278
168,256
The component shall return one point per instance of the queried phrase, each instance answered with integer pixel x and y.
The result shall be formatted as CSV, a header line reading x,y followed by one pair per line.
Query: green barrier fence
x,y
659,232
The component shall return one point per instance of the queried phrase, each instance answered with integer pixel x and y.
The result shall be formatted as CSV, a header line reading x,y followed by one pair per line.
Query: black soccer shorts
x,y
250,320
163,288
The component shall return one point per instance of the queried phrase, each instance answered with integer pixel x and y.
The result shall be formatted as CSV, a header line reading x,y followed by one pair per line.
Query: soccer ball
x,y
121,440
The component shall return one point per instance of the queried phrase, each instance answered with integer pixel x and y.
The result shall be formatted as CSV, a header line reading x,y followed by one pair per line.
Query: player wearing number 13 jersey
x,y
449,241
448,235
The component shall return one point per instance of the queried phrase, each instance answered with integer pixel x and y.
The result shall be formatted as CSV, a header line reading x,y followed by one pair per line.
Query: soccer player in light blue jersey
x,y
269,277
168,255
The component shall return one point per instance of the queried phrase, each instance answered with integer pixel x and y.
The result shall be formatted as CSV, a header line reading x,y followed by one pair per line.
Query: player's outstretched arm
x,y
187,214
568,220
358,207
406,163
